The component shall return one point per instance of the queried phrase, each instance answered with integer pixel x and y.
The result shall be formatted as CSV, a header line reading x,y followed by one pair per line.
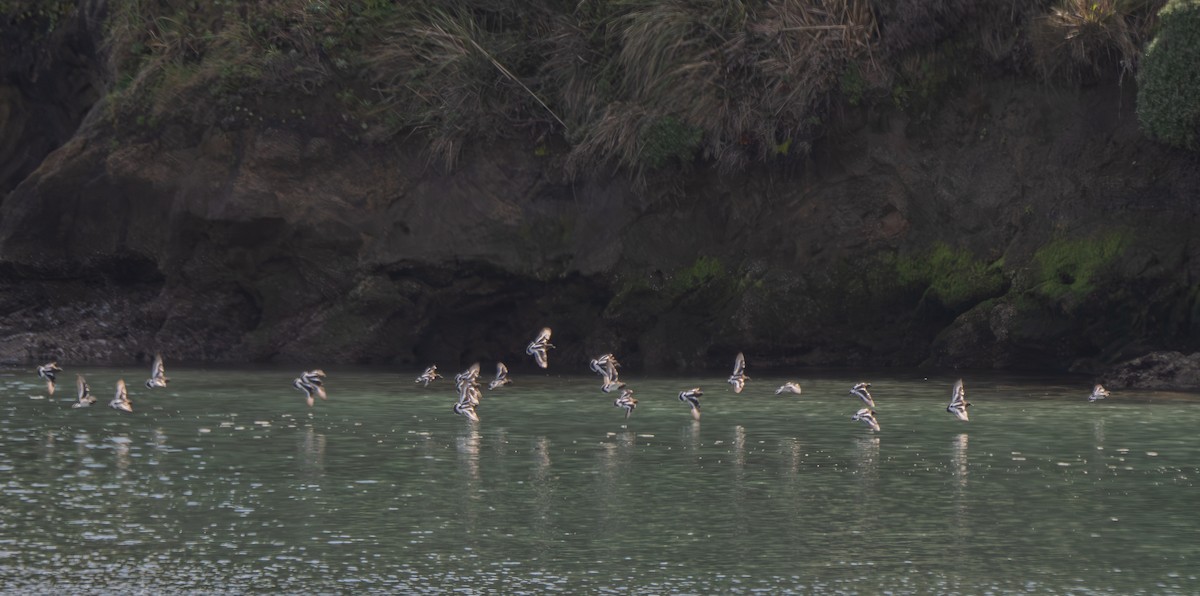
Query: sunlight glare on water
x,y
227,481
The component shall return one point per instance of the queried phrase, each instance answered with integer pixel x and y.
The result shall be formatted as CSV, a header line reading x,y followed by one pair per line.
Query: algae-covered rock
x,y
1157,370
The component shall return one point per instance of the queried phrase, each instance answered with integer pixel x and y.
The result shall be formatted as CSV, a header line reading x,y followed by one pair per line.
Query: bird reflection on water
x,y
82,444
572,495
741,536
739,452
544,511
467,444
690,439
1099,462
49,446
614,463
795,453
468,455
959,460
866,450
312,455
962,501
121,451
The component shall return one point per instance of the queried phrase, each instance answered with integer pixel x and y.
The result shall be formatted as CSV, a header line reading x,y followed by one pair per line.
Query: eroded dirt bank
x,y
1021,227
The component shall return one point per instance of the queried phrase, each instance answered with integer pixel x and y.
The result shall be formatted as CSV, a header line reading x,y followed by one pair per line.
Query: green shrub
x,y
1168,101
669,138
852,84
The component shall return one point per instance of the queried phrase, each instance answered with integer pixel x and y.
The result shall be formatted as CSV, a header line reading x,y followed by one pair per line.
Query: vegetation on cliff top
x,y
1088,38
640,84
1169,81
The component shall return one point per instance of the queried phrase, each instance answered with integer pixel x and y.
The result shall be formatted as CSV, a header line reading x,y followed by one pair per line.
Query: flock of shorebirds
x,y
468,386
84,397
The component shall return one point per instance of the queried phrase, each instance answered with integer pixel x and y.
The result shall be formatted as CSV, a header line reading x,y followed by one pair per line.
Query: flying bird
x,y
598,364
429,375
605,364
48,372
501,377
467,377
470,394
958,401
315,379
611,384
120,401
537,348
466,409
788,387
860,390
606,367
308,388
626,401
467,383
738,378
1098,392
158,374
85,397
867,417
692,398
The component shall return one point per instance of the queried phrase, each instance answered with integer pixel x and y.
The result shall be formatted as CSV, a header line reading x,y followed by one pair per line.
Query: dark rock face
x,y
1020,228
1157,370
50,77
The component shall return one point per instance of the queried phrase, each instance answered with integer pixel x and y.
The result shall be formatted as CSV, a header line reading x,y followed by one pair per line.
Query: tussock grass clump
x,y
1079,38
641,85
748,75
637,83
448,74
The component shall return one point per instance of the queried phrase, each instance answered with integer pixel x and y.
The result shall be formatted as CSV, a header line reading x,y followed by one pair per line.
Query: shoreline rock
x,y
1157,370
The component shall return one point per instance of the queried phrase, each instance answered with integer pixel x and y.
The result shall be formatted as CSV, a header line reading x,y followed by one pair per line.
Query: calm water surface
x,y
227,482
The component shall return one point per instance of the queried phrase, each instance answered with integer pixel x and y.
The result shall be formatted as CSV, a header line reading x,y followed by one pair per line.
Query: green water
x,y
227,482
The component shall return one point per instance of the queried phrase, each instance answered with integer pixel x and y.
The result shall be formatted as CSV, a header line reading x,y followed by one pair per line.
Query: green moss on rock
x,y
954,278
1067,267
700,272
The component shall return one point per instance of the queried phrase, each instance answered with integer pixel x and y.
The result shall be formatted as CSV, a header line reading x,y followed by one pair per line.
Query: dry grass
x,y
445,76
638,84
1089,37
748,75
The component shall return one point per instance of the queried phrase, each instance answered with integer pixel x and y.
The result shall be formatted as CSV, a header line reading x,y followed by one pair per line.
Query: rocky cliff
x,y
1017,226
